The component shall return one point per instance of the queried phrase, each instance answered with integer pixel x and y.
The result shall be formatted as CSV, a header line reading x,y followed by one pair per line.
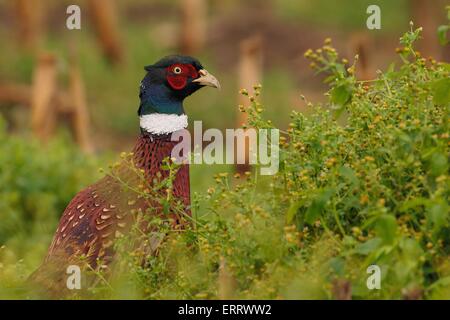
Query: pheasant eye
x,y
177,70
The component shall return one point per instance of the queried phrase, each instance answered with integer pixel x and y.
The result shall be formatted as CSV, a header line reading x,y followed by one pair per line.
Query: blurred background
x,y
69,98
239,41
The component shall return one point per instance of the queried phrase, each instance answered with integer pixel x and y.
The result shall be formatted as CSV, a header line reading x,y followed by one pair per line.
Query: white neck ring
x,y
160,123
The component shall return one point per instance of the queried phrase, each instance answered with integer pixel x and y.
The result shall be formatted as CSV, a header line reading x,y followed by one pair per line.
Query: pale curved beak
x,y
207,79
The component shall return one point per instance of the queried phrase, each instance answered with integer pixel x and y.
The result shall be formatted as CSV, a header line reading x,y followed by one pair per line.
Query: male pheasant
x,y
97,214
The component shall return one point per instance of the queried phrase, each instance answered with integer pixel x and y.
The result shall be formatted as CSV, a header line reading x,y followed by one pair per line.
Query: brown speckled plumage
x,y
111,207
101,212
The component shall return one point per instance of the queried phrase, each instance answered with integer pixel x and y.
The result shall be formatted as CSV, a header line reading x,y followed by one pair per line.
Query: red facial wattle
x,y
178,74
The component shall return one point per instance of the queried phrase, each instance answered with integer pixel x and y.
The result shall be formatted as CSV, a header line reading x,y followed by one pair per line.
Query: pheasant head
x,y
162,92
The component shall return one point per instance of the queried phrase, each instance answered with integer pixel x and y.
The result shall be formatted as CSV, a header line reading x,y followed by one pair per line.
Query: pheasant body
x,y
104,211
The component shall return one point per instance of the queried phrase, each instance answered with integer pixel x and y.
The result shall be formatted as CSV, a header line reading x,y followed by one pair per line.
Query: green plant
x,y
373,190
363,180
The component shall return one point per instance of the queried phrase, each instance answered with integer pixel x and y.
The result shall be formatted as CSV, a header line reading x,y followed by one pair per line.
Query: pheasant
x,y
97,214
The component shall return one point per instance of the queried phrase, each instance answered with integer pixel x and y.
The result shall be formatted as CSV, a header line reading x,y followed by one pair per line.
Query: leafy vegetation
x,y
36,184
363,180
371,190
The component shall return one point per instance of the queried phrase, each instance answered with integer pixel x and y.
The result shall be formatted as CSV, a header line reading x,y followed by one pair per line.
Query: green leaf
x,y
317,206
369,246
349,174
411,248
441,91
330,79
444,282
446,66
349,241
413,203
337,264
391,68
292,211
438,164
165,206
386,227
341,94
438,215
340,68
